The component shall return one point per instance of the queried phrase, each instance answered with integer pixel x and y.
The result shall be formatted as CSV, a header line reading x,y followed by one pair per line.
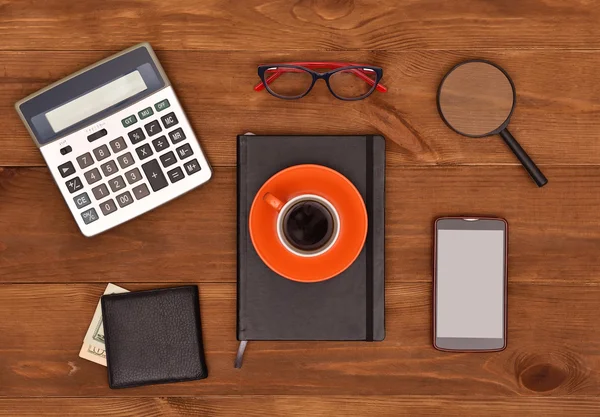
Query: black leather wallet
x,y
153,337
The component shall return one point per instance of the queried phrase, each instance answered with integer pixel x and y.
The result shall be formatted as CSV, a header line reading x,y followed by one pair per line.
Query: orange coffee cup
x,y
308,223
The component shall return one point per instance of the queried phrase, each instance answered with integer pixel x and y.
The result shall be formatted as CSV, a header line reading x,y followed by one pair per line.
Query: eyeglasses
x,y
345,81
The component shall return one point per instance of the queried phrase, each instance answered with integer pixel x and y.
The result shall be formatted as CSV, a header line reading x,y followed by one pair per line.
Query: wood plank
x,y
551,349
558,103
553,231
324,25
291,405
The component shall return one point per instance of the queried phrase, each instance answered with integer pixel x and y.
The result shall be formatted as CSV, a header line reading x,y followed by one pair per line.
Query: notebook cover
x,y
349,306
153,337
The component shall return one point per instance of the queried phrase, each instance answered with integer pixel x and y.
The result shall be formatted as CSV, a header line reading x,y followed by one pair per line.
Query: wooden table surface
x,y
51,277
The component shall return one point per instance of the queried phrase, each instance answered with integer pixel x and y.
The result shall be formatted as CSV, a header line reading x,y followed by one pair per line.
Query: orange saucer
x,y
324,182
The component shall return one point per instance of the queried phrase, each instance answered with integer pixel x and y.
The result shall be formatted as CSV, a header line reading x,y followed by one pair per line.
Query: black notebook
x,y
153,337
349,306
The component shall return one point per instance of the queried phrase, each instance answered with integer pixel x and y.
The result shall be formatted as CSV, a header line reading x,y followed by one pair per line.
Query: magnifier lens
x,y
476,99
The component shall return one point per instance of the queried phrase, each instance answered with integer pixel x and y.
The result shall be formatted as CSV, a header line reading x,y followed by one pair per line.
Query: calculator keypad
x,y
110,174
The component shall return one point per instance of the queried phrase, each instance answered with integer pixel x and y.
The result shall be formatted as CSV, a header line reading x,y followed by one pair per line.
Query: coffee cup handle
x,y
273,201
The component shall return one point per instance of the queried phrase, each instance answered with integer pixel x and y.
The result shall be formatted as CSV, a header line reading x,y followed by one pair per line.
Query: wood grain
x,y
299,24
556,119
550,350
301,406
553,231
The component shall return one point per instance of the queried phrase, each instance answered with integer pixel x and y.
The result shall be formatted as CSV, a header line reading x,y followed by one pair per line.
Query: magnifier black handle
x,y
527,162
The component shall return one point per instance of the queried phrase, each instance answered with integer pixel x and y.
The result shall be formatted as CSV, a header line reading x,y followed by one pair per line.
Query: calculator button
x,y
85,160
177,135
154,174
108,207
124,199
97,135
144,151
147,112
184,151
136,136
109,168
140,191
66,169
65,150
116,183
175,174
92,176
192,166
160,143
118,144
125,160
89,216
168,159
152,128
100,191
74,184
128,121
101,153
161,105
169,120
133,176
81,200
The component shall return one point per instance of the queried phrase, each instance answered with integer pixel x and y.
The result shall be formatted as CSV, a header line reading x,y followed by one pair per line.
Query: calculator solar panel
x,y
115,139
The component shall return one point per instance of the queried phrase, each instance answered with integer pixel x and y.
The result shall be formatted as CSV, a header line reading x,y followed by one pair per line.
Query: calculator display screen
x,y
92,95
95,101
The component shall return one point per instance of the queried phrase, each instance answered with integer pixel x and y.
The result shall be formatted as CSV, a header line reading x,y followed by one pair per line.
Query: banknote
x,y
93,347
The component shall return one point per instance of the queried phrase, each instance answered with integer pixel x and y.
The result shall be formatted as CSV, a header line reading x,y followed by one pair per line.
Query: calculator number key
x,y
140,191
152,128
66,169
169,120
144,151
124,199
116,183
133,176
177,135
108,207
100,191
92,176
192,166
85,160
136,136
101,153
81,200
89,216
160,143
184,151
125,160
118,144
109,168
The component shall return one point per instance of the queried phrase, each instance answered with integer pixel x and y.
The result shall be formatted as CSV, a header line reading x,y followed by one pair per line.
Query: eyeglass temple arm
x,y
281,70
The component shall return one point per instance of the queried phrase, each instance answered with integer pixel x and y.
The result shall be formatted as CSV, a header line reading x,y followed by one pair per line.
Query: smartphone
x,y
469,284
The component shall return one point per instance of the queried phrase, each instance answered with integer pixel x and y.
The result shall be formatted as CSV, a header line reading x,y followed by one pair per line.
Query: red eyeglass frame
x,y
321,65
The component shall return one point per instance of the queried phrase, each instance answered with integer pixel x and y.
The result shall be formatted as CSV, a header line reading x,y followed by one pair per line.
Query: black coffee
x,y
308,225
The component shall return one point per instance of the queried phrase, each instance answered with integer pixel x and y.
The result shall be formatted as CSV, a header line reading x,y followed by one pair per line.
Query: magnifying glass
x,y
476,99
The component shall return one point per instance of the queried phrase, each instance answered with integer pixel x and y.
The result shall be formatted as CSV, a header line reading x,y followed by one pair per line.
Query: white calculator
x,y
116,139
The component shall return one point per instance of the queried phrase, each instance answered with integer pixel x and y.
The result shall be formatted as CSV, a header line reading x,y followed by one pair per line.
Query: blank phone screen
x,y
470,284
